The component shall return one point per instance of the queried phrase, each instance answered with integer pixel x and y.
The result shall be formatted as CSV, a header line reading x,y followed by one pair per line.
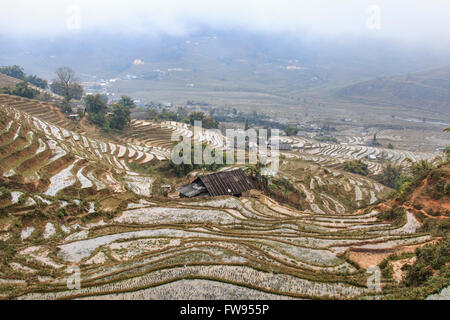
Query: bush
x,y
436,227
291,131
356,166
98,119
386,269
22,90
396,214
421,169
4,193
429,258
405,191
391,176
38,82
13,71
438,186
183,169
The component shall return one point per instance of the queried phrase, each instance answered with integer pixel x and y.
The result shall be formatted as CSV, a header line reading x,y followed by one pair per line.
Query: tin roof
x,y
233,182
192,189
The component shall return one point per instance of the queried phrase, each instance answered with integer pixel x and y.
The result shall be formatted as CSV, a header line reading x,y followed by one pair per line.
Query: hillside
x,y
427,90
70,200
6,81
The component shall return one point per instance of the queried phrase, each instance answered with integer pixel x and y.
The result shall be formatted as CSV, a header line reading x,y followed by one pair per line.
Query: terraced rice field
x,y
330,154
47,158
45,111
255,245
160,136
136,246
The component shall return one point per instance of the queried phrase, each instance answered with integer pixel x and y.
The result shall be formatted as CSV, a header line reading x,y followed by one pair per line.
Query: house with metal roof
x,y
232,183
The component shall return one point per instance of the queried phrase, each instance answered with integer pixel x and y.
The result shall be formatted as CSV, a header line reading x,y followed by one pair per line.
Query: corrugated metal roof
x,y
233,182
192,190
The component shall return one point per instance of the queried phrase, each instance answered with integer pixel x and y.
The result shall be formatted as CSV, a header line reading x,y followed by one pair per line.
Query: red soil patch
x,y
373,257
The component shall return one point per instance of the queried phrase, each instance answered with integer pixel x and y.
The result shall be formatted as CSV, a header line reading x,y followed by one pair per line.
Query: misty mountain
x,y
218,54
428,90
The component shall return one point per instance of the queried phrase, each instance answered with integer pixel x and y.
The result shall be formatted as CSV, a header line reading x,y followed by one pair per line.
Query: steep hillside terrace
x,y
45,111
42,157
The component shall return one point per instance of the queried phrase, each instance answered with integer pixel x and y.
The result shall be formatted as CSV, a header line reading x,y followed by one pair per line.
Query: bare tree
x,y
67,84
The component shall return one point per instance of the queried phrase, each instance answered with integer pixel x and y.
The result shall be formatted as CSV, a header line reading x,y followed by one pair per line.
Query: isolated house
x,y
232,183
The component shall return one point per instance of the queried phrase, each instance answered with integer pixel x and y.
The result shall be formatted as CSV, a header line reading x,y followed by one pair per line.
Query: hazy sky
x,y
419,20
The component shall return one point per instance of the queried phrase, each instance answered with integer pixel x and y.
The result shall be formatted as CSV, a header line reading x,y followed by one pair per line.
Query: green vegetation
x,y
356,166
326,139
431,259
392,176
183,169
421,169
438,187
436,227
38,82
395,215
18,73
126,101
22,90
291,131
208,121
182,115
14,71
4,193
120,117
386,268
66,85
96,108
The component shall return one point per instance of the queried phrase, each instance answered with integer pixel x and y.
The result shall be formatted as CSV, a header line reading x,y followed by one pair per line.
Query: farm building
x,y
233,183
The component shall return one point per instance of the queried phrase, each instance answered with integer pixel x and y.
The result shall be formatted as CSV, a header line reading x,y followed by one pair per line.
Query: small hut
x,y
232,183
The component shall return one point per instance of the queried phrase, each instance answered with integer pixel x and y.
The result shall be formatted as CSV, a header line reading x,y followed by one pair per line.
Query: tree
x,y
392,176
13,71
210,123
95,104
96,108
196,116
120,117
291,131
390,146
356,166
126,101
66,84
421,169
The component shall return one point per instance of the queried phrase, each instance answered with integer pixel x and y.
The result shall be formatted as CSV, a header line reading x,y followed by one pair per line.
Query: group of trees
x,y
182,115
182,169
97,109
18,73
22,90
356,166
